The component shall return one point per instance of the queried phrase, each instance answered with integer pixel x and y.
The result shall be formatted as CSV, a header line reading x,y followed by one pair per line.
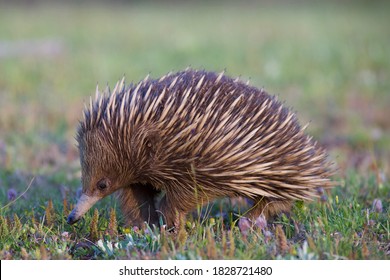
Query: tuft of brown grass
x,y
4,230
164,251
33,221
182,233
24,254
232,247
311,244
365,251
49,213
94,232
65,210
5,255
211,249
112,224
281,240
43,253
17,224
224,243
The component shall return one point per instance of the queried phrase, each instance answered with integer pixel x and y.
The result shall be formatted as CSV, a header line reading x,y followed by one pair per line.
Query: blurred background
x,y
329,61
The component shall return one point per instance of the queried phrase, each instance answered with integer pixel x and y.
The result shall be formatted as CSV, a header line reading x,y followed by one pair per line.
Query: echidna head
x,y
100,170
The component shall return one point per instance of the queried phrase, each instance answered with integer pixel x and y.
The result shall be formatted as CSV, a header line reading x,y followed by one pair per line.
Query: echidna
x,y
191,137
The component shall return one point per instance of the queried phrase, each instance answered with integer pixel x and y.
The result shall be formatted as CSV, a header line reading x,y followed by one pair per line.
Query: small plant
x,y
94,232
17,227
211,250
65,210
49,213
112,224
281,240
232,247
182,233
4,230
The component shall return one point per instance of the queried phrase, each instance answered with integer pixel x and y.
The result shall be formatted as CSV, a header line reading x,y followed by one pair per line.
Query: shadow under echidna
x,y
170,144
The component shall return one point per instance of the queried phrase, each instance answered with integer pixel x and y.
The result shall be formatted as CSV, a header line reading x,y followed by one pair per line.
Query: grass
x,y
328,61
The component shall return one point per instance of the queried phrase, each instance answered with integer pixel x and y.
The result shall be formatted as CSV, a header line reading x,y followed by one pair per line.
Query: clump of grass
x,y
281,240
182,233
4,229
112,224
311,244
365,251
224,243
17,226
23,253
49,213
65,210
211,250
94,231
232,247
33,221
43,252
164,246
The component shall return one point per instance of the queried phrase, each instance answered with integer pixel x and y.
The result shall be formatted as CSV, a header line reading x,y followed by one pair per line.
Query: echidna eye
x,y
103,184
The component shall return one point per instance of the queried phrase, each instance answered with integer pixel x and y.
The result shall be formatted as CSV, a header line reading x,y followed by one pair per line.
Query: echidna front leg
x,y
137,203
172,211
268,207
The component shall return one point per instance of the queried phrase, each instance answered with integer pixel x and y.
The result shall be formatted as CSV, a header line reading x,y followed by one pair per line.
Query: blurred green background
x,y
330,61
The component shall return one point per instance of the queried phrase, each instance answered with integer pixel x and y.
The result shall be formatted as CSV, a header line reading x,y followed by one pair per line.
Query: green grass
x,y
330,62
